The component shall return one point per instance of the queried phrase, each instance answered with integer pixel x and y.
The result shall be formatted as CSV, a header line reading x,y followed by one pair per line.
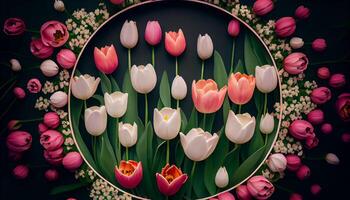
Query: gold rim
x,y
153,2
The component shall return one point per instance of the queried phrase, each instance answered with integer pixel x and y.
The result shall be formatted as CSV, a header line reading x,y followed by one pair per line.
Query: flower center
x,y
169,178
127,170
166,117
58,36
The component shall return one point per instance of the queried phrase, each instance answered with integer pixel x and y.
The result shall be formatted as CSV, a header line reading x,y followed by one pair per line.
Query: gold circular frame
x,y
152,2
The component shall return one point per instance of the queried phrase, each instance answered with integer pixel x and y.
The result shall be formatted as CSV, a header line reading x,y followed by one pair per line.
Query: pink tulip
x,y
14,125
311,142
319,45
206,96
71,198
20,172
175,43
233,28
315,189
323,73
345,137
260,188
243,193
129,174
51,120
14,26
72,161
263,7
34,85
337,80
19,141
42,128
285,26
51,175
51,140
54,157
153,33
295,196
54,33
326,128
106,59
241,88
117,2
303,172
66,58
40,50
315,117
302,12
19,93
301,129
342,106
295,63
170,180
14,156
293,162
320,95
226,196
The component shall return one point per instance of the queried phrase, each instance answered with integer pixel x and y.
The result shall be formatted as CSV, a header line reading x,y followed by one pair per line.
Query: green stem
x,y
119,153
167,151
153,57
7,82
330,62
239,109
30,120
204,121
232,56
8,107
177,103
176,67
129,59
85,106
191,178
266,137
126,153
4,94
146,109
265,103
202,72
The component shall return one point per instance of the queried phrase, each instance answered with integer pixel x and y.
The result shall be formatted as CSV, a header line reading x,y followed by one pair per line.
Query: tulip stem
x,y
232,56
330,62
167,151
177,103
146,109
126,153
129,59
7,82
8,108
4,94
191,180
176,67
239,109
119,153
30,120
204,120
153,57
265,103
85,106
202,72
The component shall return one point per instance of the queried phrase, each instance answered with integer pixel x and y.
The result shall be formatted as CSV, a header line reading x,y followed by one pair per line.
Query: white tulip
x,y
197,144
129,34
59,6
277,162
49,68
95,120
178,88
127,134
116,103
332,159
143,78
267,123
239,128
15,65
59,99
296,42
266,78
221,178
205,46
167,122
84,86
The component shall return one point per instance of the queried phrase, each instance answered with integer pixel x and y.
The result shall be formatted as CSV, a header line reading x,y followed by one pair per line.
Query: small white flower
x,y
221,178
59,6
15,65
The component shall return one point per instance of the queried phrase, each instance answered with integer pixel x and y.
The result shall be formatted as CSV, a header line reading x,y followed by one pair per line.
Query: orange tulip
x,y
206,96
106,59
241,88
175,43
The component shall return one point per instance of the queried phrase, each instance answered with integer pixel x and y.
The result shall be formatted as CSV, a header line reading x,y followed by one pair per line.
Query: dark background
x,y
329,19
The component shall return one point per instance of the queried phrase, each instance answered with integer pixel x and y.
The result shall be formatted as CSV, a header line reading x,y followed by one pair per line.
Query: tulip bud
x,y
54,157
293,162
52,120
323,73
332,159
106,59
319,45
326,128
315,189
51,175
95,119
221,178
342,106
345,137
59,99
316,117
129,34
296,42
267,123
285,27
205,47
337,80
127,134
34,85
15,65
153,33
277,162
72,161
19,93
320,95
295,196
178,88
49,68
260,188
116,2
19,141
266,78
226,196
39,50
243,193
303,172
233,28
301,129
66,58
14,125
295,63
143,78
51,140
175,42
20,172
263,7
302,12
42,128
59,6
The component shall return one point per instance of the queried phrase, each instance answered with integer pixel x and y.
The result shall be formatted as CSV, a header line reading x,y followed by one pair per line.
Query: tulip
x,y
34,85
243,193
345,137
19,93
315,117
14,125
315,189
116,103
59,6
205,47
295,196
319,45
266,78
40,50
277,162
129,174
167,122
54,157
127,134
285,27
311,142
320,95
295,63
241,88
301,129
54,33
224,196
51,175
42,128
84,86
262,7
95,120
267,123
342,106
117,2
233,28
303,172
106,59
302,12
326,128
175,43
170,180
196,139
221,178
332,159
293,162
59,99
19,141
20,172
49,68
153,33
143,78
51,140
66,58
14,26
52,120
129,35
296,42
337,80
323,73
72,161
15,65
260,188
178,88
239,128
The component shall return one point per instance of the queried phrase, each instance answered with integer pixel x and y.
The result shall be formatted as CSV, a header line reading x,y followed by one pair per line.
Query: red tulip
x,y
326,128
241,88
40,50
54,34
106,59
285,26
42,128
295,63
262,7
170,180
14,26
343,106
302,12
129,173
175,43
320,95
19,141
224,196
117,2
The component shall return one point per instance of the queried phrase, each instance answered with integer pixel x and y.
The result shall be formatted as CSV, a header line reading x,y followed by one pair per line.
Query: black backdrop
x,y
329,19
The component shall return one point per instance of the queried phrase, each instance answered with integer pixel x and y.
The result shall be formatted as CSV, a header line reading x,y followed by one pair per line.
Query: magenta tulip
x,y
106,59
311,142
293,162
51,175
345,137
233,28
320,95
13,125
303,172
129,173
315,117
301,129
260,188
72,161
117,2
243,193
42,128
170,180
66,58
263,7
34,85
14,26
226,196
19,93
295,63
54,34
302,12
323,73
54,157
337,80
51,140
175,43
319,45
153,33
20,172
51,120
39,50
295,196
326,128
19,141
315,189
342,106
285,26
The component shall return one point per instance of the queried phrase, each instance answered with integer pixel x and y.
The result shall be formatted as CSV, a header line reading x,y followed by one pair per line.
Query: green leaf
x,y
184,121
68,188
232,163
220,74
99,98
105,157
240,67
159,157
208,122
198,181
164,90
105,83
113,136
193,121
160,104
114,84
225,109
179,154
131,114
